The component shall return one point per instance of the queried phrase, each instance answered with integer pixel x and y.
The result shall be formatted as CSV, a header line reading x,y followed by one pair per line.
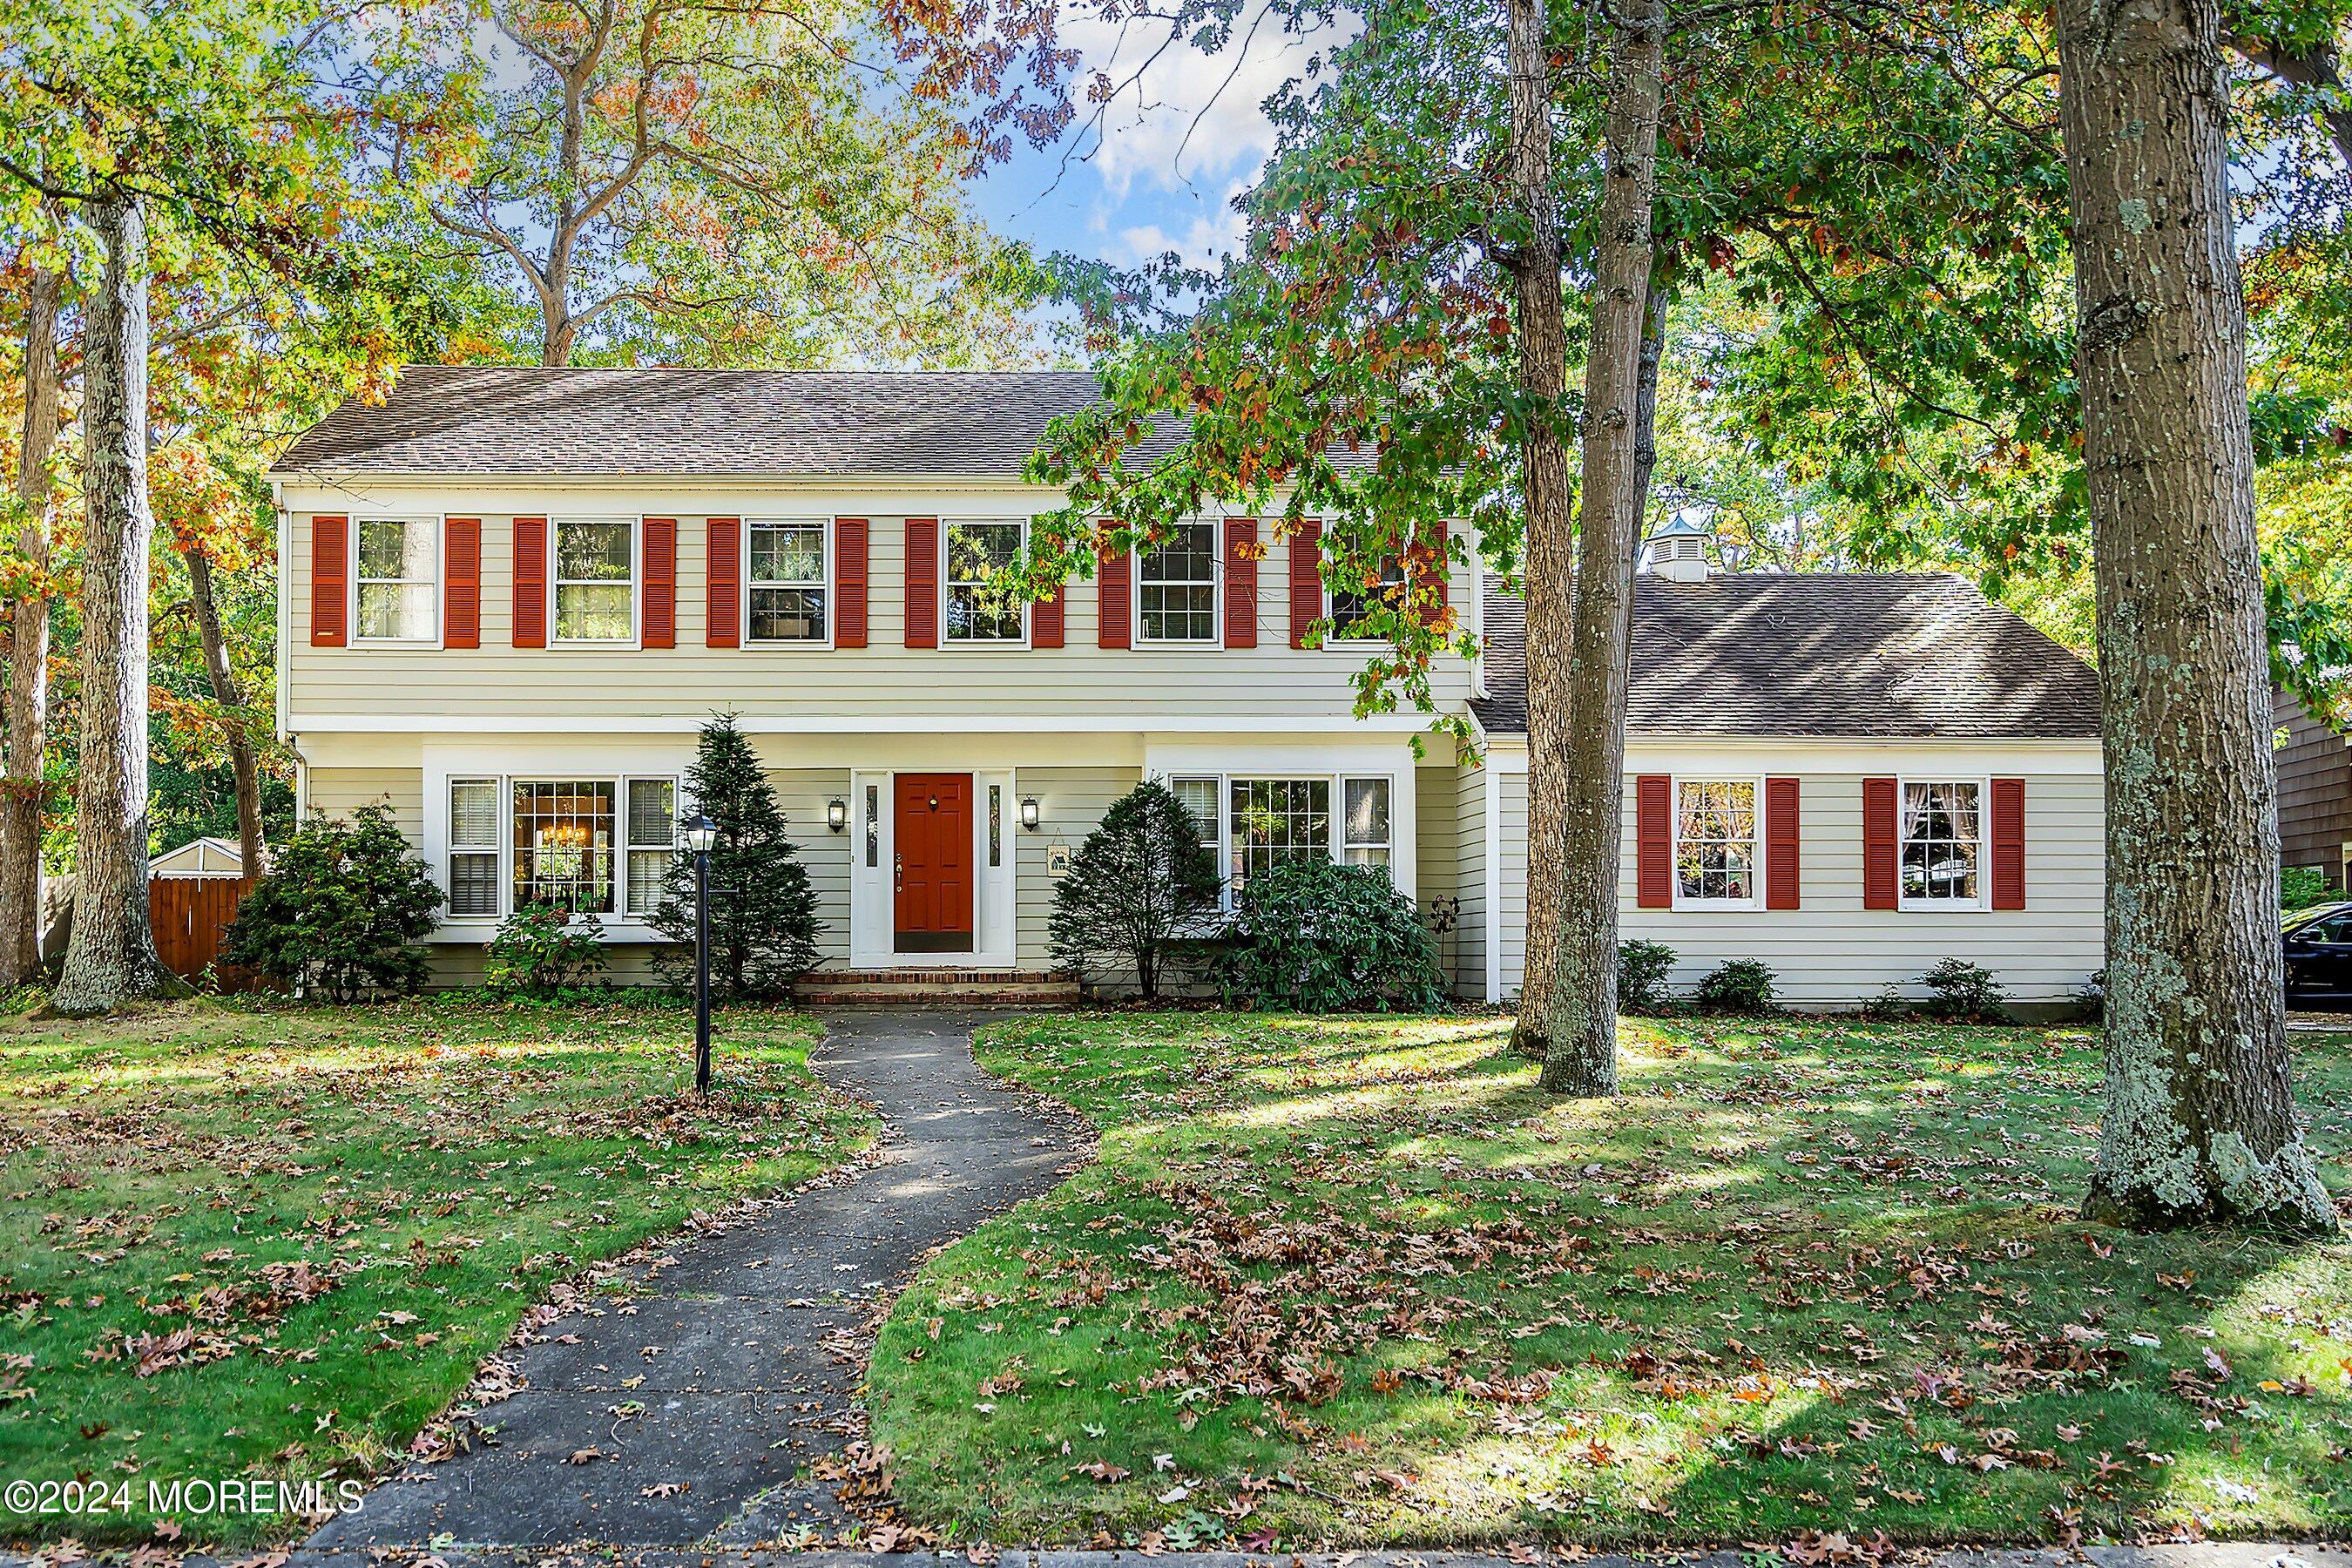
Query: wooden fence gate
x,y
189,913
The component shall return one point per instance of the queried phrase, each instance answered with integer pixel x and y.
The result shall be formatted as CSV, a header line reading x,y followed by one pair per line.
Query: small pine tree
x,y
1138,891
763,924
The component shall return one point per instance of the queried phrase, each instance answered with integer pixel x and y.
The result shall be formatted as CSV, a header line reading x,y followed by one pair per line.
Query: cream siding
x,y
1070,802
1831,952
885,685
1470,881
339,790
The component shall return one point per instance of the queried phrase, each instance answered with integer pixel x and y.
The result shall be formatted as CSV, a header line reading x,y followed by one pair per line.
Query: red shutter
x,y
1241,582
330,580
922,581
849,583
1780,862
463,552
1114,617
1306,579
1653,842
531,581
2009,844
1432,573
1046,621
723,582
1878,847
661,583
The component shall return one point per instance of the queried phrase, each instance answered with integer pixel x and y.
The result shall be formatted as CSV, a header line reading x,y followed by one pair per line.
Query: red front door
x,y
932,823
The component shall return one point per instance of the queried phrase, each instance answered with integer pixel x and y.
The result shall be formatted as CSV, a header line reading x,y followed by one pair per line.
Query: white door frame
x,y
873,923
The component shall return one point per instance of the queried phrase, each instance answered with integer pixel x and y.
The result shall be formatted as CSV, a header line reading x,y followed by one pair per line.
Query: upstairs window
x,y
1350,606
595,582
787,596
1176,586
1715,841
982,606
398,580
1941,844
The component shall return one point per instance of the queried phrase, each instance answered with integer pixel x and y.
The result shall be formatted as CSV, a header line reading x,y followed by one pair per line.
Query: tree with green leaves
x,y
342,911
699,182
763,922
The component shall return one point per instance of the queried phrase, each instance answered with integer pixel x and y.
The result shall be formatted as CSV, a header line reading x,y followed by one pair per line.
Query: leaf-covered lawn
x,y
1357,1281
245,1241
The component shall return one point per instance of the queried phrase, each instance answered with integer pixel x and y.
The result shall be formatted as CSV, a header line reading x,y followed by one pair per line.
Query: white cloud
x,y
1212,235
1183,117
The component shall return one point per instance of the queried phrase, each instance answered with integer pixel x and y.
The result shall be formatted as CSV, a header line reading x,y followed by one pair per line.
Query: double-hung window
x,y
1349,606
652,841
984,605
1940,833
786,594
1199,796
595,582
1364,837
397,582
1716,856
473,846
1176,586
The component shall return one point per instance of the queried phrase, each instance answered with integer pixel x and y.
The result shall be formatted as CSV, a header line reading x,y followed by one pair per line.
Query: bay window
x,y
397,579
563,844
1276,821
1941,843
1251,824
595,582
1176,586
595,845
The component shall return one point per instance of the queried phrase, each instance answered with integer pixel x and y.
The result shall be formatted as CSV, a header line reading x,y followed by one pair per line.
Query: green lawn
x,y
239,1240
1356,1281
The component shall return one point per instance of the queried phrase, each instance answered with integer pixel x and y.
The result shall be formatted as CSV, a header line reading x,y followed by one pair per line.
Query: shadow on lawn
x,y
1801,1274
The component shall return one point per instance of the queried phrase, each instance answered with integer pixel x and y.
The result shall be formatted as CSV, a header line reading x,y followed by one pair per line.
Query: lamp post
x,y
700,835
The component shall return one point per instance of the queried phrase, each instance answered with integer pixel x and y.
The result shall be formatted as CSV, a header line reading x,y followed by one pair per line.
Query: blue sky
x,y
1160,169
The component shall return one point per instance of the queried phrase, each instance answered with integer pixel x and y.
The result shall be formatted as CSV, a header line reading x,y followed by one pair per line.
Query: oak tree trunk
x,y
243,765
1580,1018
1549,498
23,789
112,958
2200,1123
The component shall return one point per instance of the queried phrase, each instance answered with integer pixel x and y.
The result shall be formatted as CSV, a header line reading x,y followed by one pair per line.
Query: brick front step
x,y
966,986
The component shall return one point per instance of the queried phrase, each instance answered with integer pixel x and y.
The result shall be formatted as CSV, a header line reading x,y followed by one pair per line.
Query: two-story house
x,y
510,597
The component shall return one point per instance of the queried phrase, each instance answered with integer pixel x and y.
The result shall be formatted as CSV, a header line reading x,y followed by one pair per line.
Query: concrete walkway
x,y
737,1365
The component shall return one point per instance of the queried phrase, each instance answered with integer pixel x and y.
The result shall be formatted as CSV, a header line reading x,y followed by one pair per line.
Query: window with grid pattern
x,y
653,840
1276,821
1176,585
397,580
1941,843
981,604
473,846
563,842
786,596
1715,841
1349,606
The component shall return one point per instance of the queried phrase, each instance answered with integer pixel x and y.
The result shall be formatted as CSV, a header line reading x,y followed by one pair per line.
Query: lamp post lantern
x,y
700,834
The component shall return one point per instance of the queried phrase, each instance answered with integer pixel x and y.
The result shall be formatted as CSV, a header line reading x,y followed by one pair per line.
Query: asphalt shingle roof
x,y
502,419
1852,655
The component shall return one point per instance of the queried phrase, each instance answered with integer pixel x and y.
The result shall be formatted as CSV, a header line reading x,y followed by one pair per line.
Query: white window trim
x,y
635,639
619,924
1216,637
440,527
1754,900
501,814
1336,843
832,593
1982,902
947,591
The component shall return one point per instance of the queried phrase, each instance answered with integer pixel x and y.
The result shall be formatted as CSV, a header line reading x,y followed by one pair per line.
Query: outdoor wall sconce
x,y
1029,813
836,815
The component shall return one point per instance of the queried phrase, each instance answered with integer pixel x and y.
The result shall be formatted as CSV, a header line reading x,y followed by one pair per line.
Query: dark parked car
x,y
2319,955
